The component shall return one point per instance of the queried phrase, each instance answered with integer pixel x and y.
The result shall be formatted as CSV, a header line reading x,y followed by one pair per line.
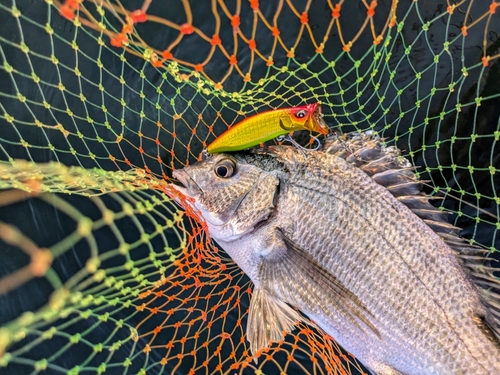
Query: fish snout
x,y
190,186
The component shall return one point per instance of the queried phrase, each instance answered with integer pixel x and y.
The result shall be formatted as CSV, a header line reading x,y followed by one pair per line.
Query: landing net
x,y
100,271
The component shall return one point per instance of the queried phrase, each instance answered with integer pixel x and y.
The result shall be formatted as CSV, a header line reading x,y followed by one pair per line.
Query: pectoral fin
x,y
268,319
317,284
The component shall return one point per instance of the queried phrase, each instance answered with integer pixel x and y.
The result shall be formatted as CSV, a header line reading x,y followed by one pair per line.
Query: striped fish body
x,y
426,311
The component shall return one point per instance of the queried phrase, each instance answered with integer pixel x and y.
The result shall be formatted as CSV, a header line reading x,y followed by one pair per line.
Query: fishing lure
x,y
268,125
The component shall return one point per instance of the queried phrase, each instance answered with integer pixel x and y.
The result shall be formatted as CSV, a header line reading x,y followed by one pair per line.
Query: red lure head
x,y
311,118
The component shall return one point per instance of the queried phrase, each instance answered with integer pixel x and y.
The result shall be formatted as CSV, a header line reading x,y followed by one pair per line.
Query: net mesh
x,y
100,271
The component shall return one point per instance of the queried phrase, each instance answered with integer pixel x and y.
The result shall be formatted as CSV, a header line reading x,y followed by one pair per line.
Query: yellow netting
x,y
100,271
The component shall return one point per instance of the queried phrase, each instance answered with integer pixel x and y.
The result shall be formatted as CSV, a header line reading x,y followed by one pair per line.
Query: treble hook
x,y
318,143
289,138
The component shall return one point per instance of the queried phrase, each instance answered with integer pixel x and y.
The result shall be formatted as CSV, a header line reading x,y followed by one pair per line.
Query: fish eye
x,y
301,114
225,168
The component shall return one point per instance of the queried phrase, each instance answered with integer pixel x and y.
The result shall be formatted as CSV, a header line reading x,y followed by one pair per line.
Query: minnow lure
x,y
268,125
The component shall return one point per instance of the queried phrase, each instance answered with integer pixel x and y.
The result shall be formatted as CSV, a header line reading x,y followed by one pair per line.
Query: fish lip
x,y
190,187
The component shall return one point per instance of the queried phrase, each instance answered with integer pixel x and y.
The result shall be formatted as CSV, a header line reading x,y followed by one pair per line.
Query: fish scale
x,y
327,233
399,226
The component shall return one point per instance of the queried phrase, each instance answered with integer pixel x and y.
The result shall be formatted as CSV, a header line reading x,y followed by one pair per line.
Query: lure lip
x,y
318,124
314,122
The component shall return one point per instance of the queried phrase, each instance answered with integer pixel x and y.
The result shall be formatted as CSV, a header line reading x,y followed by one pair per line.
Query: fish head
x,y
232,195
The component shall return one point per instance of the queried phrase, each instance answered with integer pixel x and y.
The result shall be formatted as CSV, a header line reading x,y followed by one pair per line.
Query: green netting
x,y
100,271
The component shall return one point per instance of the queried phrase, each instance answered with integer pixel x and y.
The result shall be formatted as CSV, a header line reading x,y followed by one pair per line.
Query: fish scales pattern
x,y
367,235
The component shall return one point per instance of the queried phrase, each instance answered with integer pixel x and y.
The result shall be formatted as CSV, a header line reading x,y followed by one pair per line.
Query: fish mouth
x,y
189,187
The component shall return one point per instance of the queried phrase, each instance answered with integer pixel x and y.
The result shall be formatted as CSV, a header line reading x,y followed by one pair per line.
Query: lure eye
x,y
225,168
301,114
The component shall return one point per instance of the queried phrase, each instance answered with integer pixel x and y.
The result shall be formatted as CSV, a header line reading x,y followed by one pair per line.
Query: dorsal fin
x,y
389,169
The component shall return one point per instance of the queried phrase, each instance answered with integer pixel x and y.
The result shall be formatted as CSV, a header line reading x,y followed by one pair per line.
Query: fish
x,y
346,236
268,125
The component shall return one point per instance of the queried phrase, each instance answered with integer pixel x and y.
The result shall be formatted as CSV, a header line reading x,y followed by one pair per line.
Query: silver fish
x,y
345,236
